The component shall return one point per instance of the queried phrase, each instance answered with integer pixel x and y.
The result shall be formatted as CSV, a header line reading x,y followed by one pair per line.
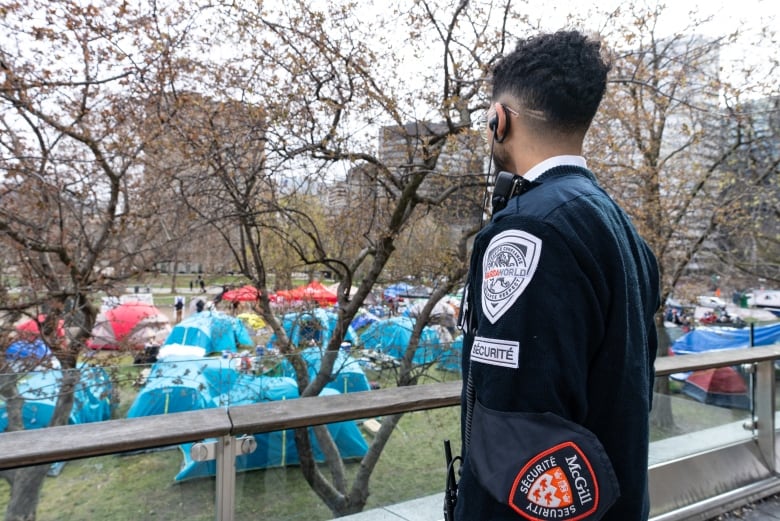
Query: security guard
x,y
558,312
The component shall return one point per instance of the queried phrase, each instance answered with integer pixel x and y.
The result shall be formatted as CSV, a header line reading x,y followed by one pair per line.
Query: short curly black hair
x,y
563,75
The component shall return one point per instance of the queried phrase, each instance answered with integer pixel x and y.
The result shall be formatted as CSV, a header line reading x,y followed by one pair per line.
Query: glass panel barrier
x,y
121,488
703,410
412,466
129,486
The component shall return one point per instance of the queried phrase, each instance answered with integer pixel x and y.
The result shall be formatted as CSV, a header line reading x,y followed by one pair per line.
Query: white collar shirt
x,y
552,162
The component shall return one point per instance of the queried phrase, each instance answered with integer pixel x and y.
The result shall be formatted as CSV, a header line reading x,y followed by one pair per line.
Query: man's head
x,y
551,85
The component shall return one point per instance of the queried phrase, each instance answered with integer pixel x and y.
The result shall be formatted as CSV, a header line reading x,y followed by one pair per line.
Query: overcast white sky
x,y
727,16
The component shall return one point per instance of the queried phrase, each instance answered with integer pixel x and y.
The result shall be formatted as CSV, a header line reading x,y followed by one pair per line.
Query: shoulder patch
x,y
557,484
508,265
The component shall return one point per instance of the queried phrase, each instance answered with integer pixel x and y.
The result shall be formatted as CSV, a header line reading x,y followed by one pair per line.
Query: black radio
x,y
507,186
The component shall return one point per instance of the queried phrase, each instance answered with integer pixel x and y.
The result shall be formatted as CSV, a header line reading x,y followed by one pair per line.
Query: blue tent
x,y
713,338
39,389
316,326
212,330
348,375
34,350
391,337
396,290
451,359
176,385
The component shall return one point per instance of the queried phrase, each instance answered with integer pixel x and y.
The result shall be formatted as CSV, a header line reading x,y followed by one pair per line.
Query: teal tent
x,y
39,390
316,327
213,331
175,385
347,376
179,384
391,336
277,449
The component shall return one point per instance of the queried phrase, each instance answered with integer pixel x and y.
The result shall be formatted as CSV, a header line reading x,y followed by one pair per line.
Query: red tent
x,y
131,325
246,293
312,291
32,326
722,386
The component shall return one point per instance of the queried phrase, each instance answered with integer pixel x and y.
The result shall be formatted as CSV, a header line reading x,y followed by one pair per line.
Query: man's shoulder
x,y
549,195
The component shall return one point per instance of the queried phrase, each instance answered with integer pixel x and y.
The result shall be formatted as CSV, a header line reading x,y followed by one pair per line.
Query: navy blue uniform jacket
x,y
560,335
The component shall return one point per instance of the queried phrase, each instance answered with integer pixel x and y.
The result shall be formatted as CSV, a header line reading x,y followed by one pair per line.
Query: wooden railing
x,y
38,446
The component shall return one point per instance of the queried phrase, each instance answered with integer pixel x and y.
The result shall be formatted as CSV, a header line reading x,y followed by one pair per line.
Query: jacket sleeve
x,y
538,318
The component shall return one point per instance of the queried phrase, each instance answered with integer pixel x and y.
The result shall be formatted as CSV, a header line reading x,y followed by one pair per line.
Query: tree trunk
x,y
661,416
26,486
26,482
175,270
283,279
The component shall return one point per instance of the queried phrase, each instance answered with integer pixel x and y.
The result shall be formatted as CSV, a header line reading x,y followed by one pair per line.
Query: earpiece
x,y
493,124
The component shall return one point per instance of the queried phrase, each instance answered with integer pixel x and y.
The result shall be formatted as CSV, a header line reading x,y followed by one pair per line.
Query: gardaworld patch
x,y
557,484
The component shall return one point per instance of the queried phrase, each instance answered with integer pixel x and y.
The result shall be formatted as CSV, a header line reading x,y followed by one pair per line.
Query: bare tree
x,y
74,218
295,114
666,145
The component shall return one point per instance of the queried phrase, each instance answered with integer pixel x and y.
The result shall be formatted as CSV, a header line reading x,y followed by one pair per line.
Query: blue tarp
x,y
405,290
212,330
39,389
315,326
391,337
348,375
396,290
714,338
177,385
363,318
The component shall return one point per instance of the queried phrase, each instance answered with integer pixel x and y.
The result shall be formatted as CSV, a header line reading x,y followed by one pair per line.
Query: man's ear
x,y
499,124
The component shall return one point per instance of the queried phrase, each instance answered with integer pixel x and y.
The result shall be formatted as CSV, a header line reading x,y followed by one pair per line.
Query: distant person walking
x,y
178,306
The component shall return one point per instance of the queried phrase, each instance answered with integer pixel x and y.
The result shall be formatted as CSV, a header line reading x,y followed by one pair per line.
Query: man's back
x,y
584,331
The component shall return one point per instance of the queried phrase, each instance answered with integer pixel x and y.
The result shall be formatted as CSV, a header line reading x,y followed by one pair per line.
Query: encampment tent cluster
x,y
209,359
